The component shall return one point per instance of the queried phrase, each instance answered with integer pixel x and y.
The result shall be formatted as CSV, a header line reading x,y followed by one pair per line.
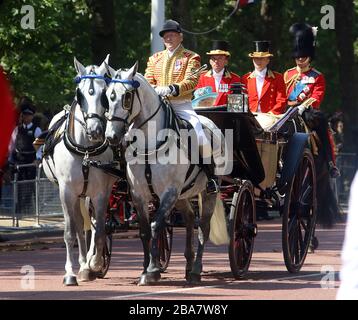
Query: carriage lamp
x,y
237,100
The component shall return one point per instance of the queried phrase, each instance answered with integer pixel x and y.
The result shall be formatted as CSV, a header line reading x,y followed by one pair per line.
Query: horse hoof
x,y
70,281
86,275
149,278
193,279
95,267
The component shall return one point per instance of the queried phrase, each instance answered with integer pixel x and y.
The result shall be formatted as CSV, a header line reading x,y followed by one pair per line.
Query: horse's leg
x,y
141,207
95,262
84,274
68,200
208,205
185,208
167,203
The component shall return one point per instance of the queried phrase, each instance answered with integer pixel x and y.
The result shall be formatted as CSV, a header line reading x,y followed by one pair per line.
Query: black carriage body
x,y
247,160
268,158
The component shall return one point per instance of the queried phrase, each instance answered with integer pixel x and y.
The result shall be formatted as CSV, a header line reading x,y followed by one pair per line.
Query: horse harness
x,y
68,139
171,122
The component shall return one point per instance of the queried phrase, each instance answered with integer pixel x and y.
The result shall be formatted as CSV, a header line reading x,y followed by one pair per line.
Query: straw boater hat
x,y
262,50
219,47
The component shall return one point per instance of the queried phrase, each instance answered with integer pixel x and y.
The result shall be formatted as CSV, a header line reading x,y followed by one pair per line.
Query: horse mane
x,y
143,79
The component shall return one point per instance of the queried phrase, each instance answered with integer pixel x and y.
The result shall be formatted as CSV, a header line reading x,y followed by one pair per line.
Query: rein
x,y
73,146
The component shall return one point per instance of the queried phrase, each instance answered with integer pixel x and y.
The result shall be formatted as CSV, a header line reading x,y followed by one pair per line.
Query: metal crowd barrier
x,y
38,197
347,164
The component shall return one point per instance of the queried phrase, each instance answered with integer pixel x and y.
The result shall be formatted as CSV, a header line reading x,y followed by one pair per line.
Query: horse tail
x,y
218,228
85,204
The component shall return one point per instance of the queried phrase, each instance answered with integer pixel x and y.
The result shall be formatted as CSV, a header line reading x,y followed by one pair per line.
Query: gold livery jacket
x,y
163,70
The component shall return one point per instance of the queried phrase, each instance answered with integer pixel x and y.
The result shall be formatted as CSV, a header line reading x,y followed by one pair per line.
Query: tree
x,y
103,35
344,31
39,62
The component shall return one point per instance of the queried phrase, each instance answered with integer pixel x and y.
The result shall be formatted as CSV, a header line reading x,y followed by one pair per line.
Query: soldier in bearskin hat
x,y
172,73
266,88
219,77
306,88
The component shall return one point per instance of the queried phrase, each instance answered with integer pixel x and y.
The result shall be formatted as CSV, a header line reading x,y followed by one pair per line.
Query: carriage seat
x,y
267,120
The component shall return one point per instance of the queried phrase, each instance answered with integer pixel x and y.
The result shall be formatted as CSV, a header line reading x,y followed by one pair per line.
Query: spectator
x,y
22,151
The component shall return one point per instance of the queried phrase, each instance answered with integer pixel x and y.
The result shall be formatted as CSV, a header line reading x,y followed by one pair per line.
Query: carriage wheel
x,y
165,246
299,214
242,230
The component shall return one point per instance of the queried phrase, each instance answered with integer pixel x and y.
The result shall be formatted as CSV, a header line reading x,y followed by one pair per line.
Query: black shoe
x,y
212,187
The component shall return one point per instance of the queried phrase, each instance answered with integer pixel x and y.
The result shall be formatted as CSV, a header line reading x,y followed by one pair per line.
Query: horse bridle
x,y
127,99
104,102
127,102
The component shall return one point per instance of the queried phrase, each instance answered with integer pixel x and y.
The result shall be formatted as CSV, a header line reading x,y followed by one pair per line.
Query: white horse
x,y
81,135
133,102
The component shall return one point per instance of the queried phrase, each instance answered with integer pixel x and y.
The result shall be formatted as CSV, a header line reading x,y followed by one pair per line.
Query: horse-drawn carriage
x,y
273,168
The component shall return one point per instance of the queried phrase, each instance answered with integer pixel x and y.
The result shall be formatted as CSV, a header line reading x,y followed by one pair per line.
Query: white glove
x,y
301,109
165,91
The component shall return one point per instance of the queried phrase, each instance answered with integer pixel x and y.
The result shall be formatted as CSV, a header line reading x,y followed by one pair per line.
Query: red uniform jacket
x,y
273,95
207,80
312,85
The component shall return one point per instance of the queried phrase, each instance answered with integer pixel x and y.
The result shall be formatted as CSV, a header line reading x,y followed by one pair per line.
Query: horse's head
x,y
123,101
91,97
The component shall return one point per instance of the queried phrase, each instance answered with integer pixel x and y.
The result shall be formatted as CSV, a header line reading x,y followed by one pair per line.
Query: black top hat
x,y
170,25
219,47
262,49
304,40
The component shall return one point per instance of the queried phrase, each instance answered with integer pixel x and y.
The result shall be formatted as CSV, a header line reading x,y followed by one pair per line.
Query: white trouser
x,y
184,110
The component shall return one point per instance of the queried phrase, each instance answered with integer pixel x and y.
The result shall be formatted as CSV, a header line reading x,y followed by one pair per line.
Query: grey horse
x,y
156,170
80,134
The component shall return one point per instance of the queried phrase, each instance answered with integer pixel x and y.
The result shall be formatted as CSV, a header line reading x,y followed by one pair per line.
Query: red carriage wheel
x,y
299,214
242,229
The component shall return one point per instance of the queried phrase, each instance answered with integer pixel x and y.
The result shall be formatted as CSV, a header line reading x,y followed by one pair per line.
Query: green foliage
x,y
40,62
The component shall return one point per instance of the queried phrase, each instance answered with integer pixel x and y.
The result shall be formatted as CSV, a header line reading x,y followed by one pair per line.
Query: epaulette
x,y
294,68
315,70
